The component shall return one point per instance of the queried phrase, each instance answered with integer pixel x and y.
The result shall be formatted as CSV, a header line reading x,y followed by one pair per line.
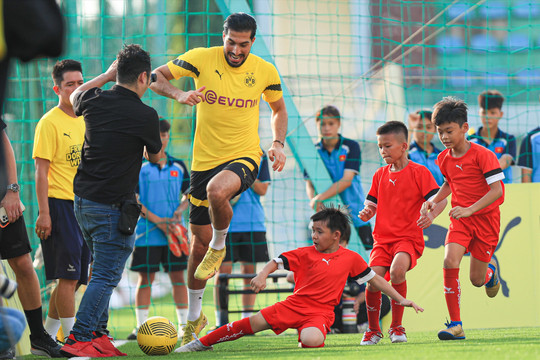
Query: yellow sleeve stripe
x,y
197,202
185,65
249,165
275,87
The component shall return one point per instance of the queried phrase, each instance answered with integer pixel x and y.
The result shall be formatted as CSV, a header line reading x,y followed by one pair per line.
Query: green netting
x,y
375,60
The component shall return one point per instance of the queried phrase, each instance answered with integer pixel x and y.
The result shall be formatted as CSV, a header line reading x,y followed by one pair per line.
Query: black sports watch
x,y
14,187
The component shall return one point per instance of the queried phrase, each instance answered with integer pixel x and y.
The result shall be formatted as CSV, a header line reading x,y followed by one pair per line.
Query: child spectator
x,y
529,157
397,193
474,178
342,159
421,149
320,271
490,136
160,191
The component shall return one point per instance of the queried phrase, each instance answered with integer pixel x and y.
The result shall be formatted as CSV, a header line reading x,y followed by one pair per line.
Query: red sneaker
x,y
74,348
103,343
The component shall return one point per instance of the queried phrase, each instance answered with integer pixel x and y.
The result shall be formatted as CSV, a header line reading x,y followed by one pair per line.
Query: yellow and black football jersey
x,y
228,118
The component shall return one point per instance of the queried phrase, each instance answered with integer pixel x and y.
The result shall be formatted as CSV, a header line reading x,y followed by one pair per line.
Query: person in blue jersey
x,y
162,192
491,136
529,157
421,149
246,240
342,159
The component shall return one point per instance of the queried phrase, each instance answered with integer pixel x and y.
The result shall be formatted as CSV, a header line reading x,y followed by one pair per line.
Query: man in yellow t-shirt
x,y
57,152
226,150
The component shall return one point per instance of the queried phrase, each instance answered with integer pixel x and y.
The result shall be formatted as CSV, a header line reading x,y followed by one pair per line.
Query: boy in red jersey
x,y
474,177
397,193
320,273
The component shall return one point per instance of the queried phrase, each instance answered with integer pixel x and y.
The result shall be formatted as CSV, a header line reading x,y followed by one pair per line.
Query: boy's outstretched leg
x,y
400,265
229,332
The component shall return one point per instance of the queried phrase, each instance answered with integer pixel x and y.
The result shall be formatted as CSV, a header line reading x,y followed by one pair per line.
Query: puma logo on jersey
x,y
326,261
71,268
68,135
393,181
217,72
460,167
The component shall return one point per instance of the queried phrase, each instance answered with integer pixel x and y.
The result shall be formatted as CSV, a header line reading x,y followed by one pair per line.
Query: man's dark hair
x,y
490,99
240,22
63,66
132,61
393,127
335,218
164,125
330,111
425,114
448,110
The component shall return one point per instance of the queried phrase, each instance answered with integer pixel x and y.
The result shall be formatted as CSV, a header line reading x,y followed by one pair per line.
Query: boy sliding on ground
x,y
474,177
397,193
320,273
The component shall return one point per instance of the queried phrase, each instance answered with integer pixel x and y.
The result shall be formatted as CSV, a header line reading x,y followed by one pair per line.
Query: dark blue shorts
x,y
65,252
146,259
248,247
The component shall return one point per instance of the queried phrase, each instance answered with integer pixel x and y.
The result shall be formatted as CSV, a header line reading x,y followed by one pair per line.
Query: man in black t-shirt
x,y
118,128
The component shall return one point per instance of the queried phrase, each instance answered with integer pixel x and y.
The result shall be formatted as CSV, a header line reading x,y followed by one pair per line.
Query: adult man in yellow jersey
x,y
57,152
226,151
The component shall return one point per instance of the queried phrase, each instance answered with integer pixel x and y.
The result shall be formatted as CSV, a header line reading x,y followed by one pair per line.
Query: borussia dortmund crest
x,y
249,80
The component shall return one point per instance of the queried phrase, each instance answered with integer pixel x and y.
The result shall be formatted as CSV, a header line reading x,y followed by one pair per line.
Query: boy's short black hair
x,y
330,111
450,109
164,125
132,61
425,114
393,127
63,66
335,218
240,22
490,99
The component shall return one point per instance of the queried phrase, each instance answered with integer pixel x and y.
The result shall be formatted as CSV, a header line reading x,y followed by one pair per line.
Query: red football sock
x,y
489,275
452,293
229,332
373,306
397,309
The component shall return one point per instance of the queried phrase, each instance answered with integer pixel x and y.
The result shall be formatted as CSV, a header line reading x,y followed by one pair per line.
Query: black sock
x,y
35,321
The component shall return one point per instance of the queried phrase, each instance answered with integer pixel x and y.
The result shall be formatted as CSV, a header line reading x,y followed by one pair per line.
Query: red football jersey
x,y
398,197
470,175
320,278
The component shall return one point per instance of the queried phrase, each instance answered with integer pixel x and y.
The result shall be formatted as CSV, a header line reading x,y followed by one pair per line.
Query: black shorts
x,y
65,253
146,259
365,234
245,168
247,247
14,240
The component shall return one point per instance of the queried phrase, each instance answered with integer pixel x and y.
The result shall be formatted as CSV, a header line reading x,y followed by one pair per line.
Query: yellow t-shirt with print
x,y
228,118
59,139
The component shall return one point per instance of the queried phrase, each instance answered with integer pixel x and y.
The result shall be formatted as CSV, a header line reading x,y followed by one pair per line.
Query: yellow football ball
x,y
157,336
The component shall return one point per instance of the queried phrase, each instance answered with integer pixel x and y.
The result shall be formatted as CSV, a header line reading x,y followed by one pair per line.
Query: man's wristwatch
x,y
14,187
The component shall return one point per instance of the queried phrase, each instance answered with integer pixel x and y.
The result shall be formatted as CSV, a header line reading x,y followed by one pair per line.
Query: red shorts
x,y
383,254
479,234
282,316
